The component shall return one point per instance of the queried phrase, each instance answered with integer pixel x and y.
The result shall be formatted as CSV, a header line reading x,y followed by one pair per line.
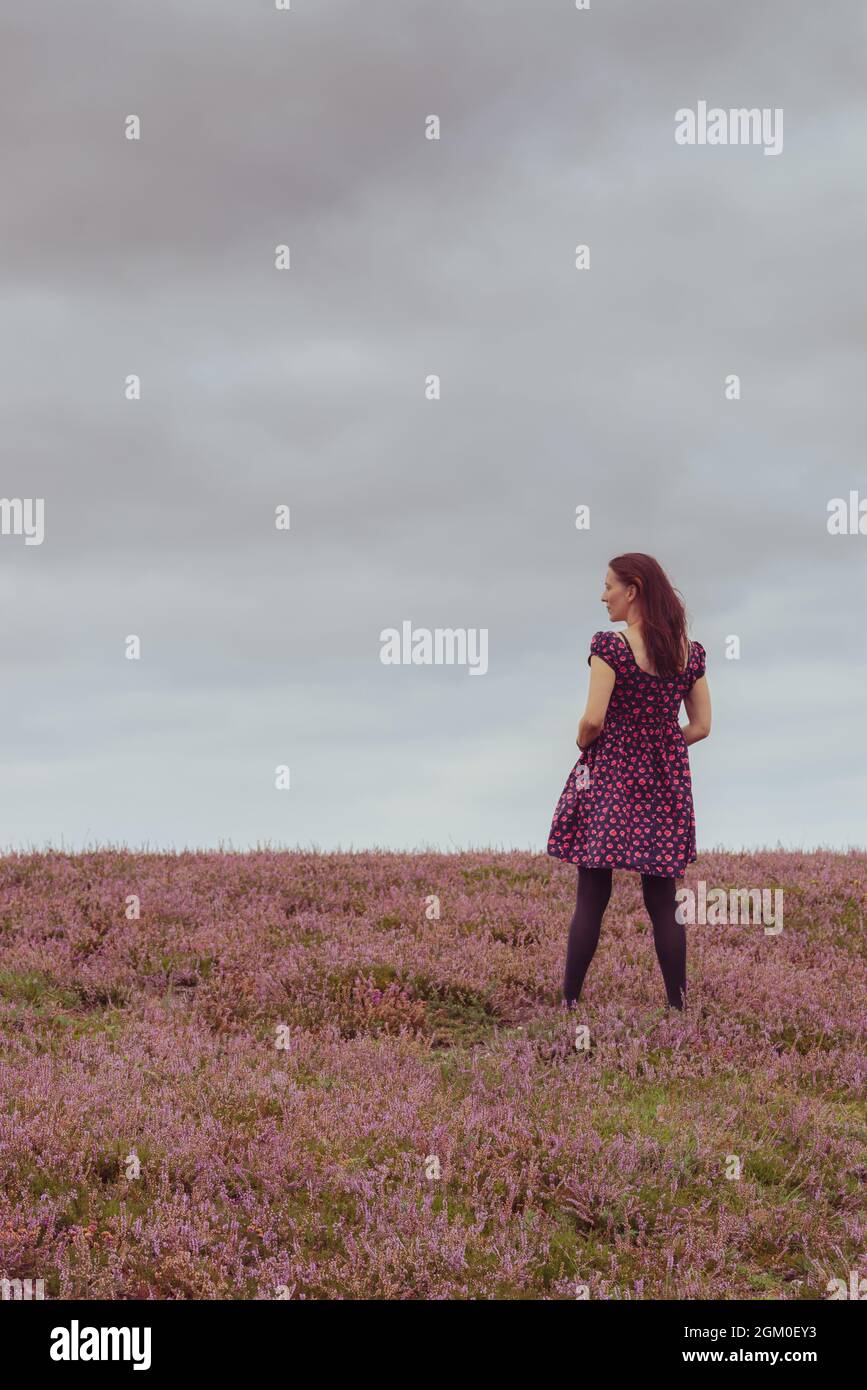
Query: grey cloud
x,y
412,257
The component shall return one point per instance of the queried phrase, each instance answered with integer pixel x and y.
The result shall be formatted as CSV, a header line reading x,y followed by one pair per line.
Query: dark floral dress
x,y
628,801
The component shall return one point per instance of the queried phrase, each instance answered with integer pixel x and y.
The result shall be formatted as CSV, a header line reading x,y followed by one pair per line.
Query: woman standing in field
x,y
628,801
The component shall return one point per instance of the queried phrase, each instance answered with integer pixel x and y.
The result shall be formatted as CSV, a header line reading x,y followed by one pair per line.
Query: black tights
x,y
669,937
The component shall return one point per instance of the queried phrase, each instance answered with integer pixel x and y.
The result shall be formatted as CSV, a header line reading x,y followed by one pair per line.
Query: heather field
x,y
288,1078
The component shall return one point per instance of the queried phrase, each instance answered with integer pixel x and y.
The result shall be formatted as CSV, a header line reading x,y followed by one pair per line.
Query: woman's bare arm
x,y
697,705
598,696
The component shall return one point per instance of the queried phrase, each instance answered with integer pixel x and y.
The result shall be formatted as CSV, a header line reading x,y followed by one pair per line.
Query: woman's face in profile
x,y
614,597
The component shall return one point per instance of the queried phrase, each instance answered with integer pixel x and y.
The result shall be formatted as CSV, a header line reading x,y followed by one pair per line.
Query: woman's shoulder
x,y
607,645
697,663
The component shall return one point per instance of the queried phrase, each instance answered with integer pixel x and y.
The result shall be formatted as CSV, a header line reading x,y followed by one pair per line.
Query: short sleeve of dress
x,y
601,646
697,665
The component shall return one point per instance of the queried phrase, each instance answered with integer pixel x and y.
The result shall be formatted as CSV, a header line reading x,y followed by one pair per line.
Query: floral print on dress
x,y
627,803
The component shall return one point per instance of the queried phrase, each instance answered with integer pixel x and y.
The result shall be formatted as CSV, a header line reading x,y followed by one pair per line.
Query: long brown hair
x,y
663,616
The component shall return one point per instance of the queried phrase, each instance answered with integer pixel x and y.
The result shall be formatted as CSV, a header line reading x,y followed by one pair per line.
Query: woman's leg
x,y
594,890
669,935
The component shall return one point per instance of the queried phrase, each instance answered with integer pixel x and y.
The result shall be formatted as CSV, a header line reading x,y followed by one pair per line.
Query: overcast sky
x,y
306,386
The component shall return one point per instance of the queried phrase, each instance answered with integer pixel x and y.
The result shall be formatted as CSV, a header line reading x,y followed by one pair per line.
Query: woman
x,y
628,801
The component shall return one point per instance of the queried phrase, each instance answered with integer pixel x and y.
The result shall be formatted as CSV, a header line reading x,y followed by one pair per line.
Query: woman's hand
x,y
588,732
